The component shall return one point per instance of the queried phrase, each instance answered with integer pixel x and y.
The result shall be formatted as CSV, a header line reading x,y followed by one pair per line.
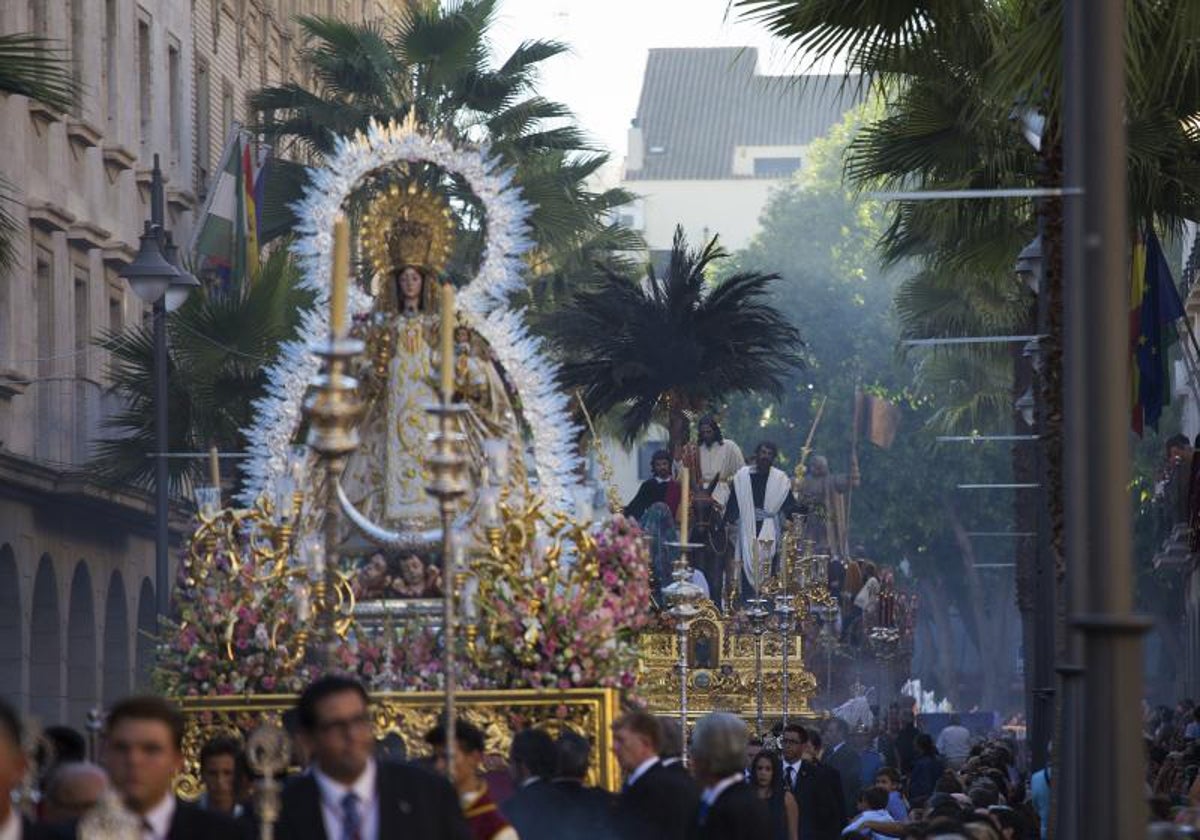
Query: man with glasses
x,y
817,787
348,796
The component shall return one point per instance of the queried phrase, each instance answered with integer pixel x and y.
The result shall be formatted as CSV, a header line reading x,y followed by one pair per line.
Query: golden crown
x,y
408,226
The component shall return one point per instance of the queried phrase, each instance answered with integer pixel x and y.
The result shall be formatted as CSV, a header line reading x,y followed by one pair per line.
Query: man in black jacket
x,y
845,760
533,810
143,751
655,802
348,794
730,809
585,812
817,787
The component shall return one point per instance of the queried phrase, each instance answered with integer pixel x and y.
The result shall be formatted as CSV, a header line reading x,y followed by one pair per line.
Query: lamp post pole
x,y
162,565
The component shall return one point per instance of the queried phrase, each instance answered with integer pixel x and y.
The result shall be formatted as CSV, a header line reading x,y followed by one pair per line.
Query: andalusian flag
x,y
1155,306
226,239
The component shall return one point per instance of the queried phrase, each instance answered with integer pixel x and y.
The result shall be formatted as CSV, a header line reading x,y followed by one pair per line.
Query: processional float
x,y
411,511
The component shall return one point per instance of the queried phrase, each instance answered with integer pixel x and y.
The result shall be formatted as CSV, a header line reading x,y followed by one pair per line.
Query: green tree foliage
x,y
219,345
432,63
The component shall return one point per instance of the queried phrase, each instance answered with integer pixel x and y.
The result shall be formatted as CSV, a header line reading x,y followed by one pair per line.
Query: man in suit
x,y
729,807
817,788
585,813
143,752
533,807
347,795
842,757
655,802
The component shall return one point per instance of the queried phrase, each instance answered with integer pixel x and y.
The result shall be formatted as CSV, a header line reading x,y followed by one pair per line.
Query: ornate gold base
x,y
721,670
588,711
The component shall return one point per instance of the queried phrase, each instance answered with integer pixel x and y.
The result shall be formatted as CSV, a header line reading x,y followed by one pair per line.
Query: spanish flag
x,y
1154,307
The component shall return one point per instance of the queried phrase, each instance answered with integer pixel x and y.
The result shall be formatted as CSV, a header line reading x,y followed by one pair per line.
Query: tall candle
x,y
685,504
214,466
447,342
341,276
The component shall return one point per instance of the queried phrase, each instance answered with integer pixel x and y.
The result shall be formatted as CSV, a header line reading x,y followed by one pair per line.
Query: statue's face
x,y
764,457
410,285
707,433
820,467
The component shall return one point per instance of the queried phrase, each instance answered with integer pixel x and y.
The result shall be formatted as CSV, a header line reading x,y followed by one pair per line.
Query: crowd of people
x,y
803,783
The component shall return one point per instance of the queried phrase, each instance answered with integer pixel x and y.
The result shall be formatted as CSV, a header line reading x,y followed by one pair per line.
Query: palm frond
x,y
37,68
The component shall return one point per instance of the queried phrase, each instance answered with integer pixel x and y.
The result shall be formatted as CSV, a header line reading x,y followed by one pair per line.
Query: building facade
x,y
713,136
167,77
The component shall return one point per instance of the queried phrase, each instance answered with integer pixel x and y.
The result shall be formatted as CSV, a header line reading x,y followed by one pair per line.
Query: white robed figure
x,y
764,493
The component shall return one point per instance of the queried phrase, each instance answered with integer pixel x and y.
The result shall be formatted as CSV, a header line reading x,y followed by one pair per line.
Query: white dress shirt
x,y
331,803
11,829
640,770
159,819
795,767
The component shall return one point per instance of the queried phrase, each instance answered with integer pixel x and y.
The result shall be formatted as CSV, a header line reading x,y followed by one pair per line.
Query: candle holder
x,y
332,409
683,596
447,468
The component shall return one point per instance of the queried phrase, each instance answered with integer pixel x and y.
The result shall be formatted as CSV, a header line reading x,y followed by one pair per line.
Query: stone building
x,y
166,77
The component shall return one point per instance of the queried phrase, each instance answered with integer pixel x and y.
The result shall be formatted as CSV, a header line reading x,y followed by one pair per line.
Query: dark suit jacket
x,y
660,805
534,810
848,764
42,831
738,814
412,803
584,813
818,792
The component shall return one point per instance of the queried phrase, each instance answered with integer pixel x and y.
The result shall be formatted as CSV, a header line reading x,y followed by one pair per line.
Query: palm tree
x,y
671,343
219,344
433,63
33,67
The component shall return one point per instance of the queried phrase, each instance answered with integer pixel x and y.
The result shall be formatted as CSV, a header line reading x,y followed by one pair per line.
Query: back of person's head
x,y
874,798
71,790
814,738
948,783
642,723
924,744
467,736
147,707
1009,818
68,744
719,745
983,795
318,690
955,720
11,728
574,756
533,749
670,741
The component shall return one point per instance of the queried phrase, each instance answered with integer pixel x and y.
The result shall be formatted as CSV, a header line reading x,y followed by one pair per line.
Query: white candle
x,y
341,277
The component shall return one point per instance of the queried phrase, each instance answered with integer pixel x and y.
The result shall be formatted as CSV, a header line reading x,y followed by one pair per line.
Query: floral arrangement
x,y
575,626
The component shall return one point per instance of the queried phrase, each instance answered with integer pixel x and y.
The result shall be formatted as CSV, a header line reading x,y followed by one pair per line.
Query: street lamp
x,y
1029,264
184,283
156,281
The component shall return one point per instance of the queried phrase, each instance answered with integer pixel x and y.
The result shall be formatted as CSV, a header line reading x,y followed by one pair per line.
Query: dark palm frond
x,y
38,68
629,345
220,343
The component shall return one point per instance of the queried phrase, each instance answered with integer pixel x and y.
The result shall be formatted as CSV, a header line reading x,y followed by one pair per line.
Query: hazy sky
x,y
600,80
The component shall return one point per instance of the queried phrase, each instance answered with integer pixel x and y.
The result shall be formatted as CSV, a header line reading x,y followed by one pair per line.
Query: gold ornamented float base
x,y
721,670
500,714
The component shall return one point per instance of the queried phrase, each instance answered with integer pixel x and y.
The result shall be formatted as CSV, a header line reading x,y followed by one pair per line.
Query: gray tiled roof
x,y
698,104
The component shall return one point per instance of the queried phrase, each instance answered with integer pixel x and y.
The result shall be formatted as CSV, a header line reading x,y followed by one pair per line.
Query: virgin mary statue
x,y
407,236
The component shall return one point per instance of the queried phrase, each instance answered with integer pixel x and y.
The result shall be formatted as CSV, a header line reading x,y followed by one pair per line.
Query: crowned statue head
x,y
407,234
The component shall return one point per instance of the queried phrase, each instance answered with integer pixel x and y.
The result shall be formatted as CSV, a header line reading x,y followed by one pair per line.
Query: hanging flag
x,y
225,243
1155,304
882,420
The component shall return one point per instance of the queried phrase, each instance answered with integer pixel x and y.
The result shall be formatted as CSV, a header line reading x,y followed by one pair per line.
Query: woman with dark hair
x,y
926,770
767,779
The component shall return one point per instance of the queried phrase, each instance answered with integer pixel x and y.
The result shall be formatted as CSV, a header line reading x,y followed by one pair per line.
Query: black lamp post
x,y
155,280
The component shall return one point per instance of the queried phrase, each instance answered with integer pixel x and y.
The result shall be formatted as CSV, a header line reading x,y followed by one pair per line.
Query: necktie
x,y
351,819
791,777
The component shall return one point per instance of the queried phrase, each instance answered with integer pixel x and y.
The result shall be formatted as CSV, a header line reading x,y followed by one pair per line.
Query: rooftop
x,y
699,104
